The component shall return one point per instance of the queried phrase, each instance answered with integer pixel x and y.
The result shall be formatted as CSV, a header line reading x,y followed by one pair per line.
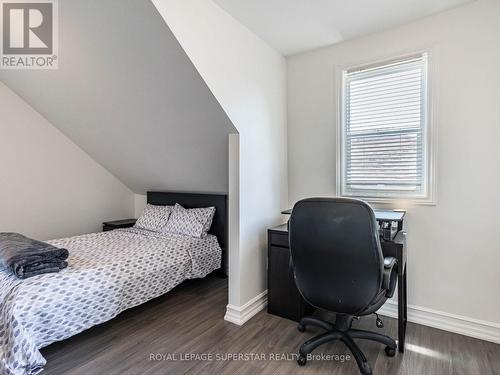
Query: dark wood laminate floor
x,y
190,320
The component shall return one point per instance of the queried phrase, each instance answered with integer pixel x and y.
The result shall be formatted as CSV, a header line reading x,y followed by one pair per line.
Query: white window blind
x,y
384,129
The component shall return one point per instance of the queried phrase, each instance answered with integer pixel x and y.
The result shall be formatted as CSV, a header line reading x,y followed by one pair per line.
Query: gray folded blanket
x,y
27,257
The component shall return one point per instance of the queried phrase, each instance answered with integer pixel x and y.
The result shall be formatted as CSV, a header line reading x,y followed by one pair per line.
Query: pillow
x,y
194,222
153,217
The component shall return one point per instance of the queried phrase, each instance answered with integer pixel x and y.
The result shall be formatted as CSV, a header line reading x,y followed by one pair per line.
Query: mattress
x,y
108,273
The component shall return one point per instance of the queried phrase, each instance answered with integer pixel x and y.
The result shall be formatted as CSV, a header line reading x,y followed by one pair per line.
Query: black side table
x,y
110,225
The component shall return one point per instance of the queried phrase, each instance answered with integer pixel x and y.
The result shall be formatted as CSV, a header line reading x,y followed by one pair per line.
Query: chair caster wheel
x,y
390,352
301,328
302,360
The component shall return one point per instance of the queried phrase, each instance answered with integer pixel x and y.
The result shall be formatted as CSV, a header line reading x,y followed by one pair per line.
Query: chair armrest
x,y
390,276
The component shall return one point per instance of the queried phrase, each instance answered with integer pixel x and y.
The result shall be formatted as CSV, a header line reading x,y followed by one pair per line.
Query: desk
x,y
285,300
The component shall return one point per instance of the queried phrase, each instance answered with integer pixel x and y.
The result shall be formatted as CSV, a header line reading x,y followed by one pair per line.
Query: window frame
x,y
429,137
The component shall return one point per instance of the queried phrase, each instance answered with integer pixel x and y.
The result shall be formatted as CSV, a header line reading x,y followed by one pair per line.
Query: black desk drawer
x,y
284,298
278,239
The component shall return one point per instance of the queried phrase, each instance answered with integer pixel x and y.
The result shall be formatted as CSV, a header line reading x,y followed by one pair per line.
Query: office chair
x,y
339,267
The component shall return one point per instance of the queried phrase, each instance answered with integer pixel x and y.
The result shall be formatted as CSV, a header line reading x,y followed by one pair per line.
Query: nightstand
x,y
110,225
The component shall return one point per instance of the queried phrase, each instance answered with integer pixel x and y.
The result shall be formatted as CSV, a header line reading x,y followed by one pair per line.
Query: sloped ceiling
x,y
129,96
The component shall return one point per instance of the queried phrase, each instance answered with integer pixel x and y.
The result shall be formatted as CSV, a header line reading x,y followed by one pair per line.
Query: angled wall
x,y
128,95
49,187
249,80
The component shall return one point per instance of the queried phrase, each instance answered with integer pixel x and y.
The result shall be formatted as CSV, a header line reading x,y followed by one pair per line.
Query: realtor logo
x,y
29,34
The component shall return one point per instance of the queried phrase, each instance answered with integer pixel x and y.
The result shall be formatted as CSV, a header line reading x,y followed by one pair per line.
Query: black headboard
x,y
194,200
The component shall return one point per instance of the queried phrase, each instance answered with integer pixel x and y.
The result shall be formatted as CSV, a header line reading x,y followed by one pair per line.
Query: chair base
x,y
342,331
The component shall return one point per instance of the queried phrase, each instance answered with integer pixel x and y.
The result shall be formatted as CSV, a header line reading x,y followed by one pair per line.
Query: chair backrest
x,y
336,253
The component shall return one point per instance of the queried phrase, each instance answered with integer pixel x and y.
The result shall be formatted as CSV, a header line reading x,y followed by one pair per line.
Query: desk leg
x,y
402,310
406,307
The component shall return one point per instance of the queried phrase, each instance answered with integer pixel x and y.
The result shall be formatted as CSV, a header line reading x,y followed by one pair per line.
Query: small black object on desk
x,y
110,225
284,298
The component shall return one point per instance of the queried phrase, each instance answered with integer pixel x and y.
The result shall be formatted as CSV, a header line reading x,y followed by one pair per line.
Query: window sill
x,y
399,201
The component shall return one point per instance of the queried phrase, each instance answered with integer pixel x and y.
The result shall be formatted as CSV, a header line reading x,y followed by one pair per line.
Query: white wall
x,y
248,78
454,252
140,202
50,188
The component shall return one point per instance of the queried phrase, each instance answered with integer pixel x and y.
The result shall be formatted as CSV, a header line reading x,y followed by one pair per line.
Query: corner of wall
x,y
140,202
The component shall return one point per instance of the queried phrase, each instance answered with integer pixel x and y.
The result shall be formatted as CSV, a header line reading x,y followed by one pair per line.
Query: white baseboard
x,y
240,315
462,325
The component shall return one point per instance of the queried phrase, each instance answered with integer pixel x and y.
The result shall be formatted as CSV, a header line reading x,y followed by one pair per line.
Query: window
x,y
384,139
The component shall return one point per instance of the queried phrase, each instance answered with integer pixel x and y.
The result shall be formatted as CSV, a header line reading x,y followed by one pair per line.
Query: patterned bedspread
x,y
108,273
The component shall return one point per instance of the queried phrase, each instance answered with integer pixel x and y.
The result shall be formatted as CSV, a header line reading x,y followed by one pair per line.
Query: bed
x,y
108,272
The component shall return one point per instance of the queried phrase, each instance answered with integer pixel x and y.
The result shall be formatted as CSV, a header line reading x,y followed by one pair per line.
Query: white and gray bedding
x,y
154,217
108,273
194,222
